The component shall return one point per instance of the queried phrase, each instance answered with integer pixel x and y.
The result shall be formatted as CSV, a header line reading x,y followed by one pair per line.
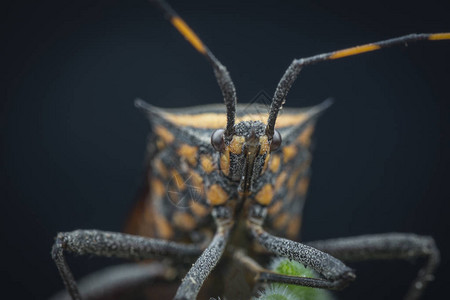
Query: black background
x,y
73,144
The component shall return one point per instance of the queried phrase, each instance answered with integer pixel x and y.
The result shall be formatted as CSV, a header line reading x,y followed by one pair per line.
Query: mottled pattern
x,y
286,175
187,176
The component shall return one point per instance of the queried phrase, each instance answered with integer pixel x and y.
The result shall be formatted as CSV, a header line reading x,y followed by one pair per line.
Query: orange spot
x,y
189,153
265,195
197,181
216,195
289,152
354,51
305,136
165,134
183,220
207,164
178,179
198,209
293,178
439,36
279,182
188,34
236,144
160,167
275,163
293,228
302,186
225,163
266,162
280,221
160,144
163,227
174,195
275,207
158,187
264,145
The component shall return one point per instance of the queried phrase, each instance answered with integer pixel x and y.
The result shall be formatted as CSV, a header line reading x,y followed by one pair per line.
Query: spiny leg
x,y
295,67
388,246
118,280
335,273
113,244
261,274
193,281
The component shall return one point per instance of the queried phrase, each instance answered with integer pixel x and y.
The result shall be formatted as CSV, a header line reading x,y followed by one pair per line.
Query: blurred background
x,y
73,145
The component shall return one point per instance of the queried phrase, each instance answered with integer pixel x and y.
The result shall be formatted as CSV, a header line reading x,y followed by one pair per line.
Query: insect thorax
x,y
187,176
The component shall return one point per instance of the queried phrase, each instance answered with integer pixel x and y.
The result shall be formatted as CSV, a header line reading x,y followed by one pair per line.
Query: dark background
x,y
72,143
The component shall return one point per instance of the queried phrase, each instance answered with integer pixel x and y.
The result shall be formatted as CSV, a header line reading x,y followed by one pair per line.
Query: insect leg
x,y
117,280
193,281
113,244
336,274
388,246
262,274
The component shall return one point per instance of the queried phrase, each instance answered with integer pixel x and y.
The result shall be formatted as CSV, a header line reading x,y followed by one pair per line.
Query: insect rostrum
x,y
224,181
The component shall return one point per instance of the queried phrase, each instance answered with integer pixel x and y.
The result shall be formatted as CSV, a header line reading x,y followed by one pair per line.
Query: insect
x,y
220,175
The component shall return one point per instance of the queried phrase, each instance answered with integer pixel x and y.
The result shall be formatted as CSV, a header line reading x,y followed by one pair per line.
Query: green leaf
x,y
280,291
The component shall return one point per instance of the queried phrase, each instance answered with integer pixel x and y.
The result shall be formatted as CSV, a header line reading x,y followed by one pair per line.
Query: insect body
x,y
189,176
194,172
228,181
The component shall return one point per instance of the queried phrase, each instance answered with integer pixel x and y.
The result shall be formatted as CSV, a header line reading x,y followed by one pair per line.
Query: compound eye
x,y
276,141
217,139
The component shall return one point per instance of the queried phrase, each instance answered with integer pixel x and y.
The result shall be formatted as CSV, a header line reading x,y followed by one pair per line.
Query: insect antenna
x,y
294,68
223,77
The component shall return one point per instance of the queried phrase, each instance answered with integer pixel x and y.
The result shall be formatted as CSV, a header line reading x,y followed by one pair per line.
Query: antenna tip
x,y
139,103
327,103
144,106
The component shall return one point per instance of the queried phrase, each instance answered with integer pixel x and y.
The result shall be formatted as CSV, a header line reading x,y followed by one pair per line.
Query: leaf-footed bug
x,y
225,178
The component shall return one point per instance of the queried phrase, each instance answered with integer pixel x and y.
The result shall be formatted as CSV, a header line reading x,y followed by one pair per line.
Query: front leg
x,y
388,246
119,281
113,244
200,270
336,275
